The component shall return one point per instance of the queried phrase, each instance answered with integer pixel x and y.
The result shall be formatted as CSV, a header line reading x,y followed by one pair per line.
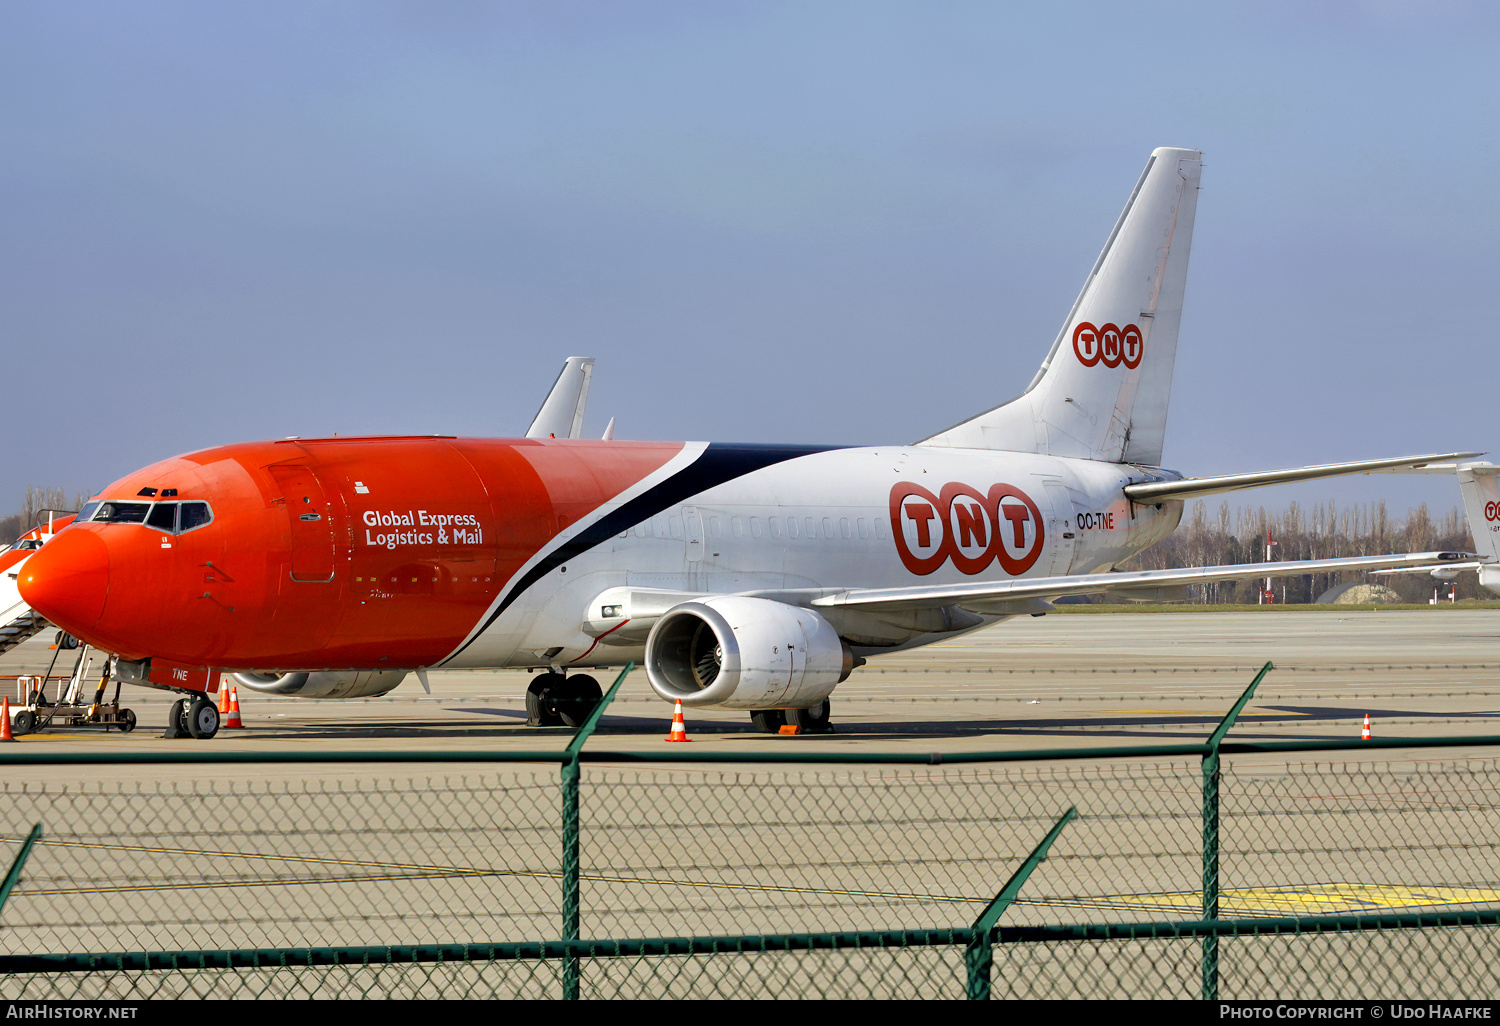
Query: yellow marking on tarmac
x,y
411,871
1146,712
1314,899
1181,712
260,856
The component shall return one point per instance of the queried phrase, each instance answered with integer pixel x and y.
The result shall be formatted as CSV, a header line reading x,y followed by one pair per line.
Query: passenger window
x,y
193,514
163,517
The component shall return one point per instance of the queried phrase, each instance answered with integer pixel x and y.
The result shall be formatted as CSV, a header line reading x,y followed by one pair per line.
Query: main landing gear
x,y
192,717
808,721
555,700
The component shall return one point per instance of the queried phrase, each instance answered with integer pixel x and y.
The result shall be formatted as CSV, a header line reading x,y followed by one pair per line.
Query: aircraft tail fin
x,y
1480,485
561,415
1102,392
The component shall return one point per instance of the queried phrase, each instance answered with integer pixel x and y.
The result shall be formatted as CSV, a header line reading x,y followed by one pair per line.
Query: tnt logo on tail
x,y
972,528
1110,345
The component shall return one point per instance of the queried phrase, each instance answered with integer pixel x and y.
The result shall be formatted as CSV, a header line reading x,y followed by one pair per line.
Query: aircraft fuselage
x,y
387,553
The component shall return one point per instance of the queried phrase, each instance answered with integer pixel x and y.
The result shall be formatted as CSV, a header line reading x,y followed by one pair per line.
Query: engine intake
x,y
737,652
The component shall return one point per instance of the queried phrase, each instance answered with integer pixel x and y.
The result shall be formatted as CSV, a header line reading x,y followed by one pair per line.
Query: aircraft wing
x,y
1195,487
561,415
1015,595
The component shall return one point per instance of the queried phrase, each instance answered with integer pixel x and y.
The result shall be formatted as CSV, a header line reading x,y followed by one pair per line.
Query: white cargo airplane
x,y
752,577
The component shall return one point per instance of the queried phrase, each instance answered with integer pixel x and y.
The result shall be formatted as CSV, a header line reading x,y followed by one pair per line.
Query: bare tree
x,y
33,506
1325,533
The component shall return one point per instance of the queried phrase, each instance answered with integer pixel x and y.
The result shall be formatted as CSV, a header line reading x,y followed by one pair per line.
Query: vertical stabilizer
x,y
1102,392
561,415
1480,485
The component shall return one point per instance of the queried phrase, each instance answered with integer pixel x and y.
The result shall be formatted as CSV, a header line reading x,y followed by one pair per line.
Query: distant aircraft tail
x,y
1102,392
1480,485
561,415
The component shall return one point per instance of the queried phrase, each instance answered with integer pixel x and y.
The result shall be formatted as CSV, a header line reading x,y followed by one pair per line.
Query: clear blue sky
x,y
769,221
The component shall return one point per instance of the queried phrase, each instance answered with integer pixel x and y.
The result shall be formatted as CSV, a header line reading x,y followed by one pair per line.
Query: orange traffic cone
x,y
223,697
233,721
1364,735
679,728
5,734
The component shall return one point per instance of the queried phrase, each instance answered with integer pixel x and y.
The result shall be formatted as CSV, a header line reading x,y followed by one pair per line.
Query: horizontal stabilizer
x,y
1197,487
978,595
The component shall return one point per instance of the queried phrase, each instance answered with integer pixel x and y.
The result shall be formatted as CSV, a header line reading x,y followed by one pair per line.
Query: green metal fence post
x,y
1210,986
12,877
571,774
979,955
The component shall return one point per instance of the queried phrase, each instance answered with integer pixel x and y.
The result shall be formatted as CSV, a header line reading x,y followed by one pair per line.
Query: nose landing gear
x,y
195,717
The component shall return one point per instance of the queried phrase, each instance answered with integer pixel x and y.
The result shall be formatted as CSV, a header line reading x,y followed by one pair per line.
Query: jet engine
x,y
738,652
324,683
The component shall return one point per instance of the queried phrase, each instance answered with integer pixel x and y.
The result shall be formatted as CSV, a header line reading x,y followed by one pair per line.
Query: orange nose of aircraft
x,y
67,581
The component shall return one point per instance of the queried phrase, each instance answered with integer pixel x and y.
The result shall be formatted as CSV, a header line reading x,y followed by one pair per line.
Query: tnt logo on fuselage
x,y
1108,344
1492,511
972,528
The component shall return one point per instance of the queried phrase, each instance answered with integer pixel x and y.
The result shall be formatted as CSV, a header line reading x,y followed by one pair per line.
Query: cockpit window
x,y
87,513
163,517
122,512
171,517
193,514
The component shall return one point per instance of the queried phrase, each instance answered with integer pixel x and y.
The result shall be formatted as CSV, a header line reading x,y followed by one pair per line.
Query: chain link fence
x,y
698,879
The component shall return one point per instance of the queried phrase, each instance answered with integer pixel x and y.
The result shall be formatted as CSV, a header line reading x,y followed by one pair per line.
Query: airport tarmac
x,y
1060,681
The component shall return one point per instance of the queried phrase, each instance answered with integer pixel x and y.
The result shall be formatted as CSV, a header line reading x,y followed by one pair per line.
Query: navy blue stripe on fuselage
x,y
718,463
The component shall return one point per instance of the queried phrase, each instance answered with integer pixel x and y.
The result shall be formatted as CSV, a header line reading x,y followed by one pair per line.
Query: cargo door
x,y
311,516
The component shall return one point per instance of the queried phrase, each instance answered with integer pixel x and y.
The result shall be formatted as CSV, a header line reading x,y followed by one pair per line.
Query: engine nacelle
x,y
324,683
737,652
